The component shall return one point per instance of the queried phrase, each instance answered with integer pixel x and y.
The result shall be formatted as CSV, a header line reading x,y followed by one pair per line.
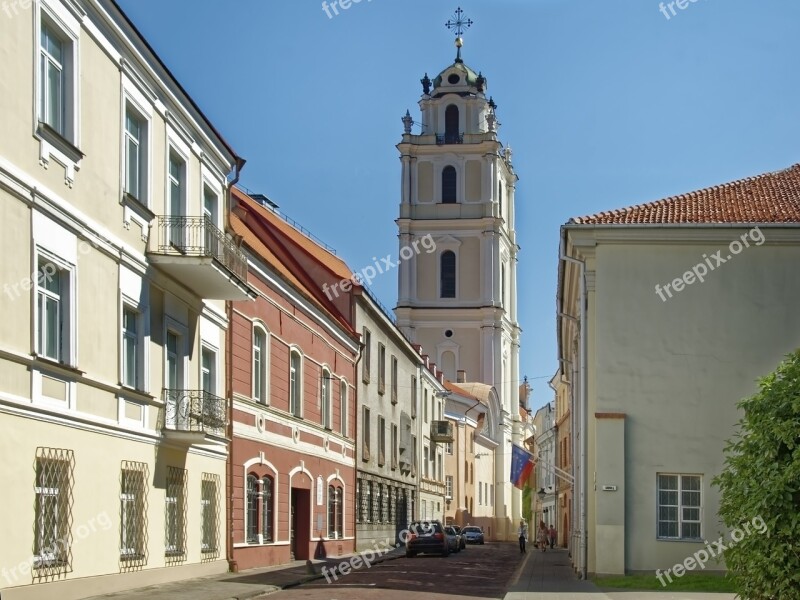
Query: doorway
x,y
300,511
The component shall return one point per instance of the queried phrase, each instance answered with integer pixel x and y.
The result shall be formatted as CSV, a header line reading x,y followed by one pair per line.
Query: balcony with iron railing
x,y
449,138
197,253
441,431
194,416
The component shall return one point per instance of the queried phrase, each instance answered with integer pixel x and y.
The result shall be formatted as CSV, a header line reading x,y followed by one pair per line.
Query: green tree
x,y
527,513
761,479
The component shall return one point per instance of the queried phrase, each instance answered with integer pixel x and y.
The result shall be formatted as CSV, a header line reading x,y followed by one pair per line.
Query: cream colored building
x,y
115,270
672,311
460,301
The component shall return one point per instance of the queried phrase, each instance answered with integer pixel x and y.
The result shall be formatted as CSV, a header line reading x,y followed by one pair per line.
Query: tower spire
x,y
457,24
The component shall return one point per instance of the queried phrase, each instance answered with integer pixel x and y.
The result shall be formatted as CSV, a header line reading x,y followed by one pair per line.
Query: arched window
x,y
447,274
449,185
325,398
267,509
251,509
451,128
259,364
500,197
343,408
335,512
295,383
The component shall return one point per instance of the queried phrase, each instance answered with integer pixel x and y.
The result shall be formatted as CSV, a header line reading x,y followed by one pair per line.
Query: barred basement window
x,y
175,515
385,505
368,503
52,541
209,504
251,509
133,514
267,496
335,512
358,501
379,497
391,501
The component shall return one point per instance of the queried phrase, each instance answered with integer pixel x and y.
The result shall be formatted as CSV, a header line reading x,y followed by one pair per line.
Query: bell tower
x,y
457,295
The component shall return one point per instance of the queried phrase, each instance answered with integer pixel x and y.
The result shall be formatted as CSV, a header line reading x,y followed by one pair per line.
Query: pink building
x,y
291,358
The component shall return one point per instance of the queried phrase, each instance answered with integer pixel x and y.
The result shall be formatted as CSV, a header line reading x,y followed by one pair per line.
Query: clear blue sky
x,y
605,103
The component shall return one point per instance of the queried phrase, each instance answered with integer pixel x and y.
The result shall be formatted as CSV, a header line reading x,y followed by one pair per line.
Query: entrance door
x,y
300,512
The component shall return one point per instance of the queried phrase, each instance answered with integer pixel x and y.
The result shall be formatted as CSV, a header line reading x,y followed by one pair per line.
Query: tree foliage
x,y
761,478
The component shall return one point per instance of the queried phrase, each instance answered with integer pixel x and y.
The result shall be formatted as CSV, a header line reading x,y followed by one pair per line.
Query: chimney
x,y
461,376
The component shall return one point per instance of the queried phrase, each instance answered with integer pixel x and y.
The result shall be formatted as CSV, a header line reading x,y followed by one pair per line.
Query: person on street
x,y
523,535
541,538
552,536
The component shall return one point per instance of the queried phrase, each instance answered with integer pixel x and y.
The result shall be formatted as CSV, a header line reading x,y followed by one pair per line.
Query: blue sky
x,y
605,104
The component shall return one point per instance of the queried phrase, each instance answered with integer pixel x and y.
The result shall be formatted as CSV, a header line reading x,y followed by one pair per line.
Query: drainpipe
x,y
584,420
356,437
232,566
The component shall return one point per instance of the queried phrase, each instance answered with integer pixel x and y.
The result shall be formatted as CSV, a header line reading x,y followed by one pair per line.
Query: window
x,y
367,357
377,499
503,285
381,441
177,416
295,383
424,509
175,513
413,397
394,380
425,406
365,429
135,153
500,197
451,124
259,364
131,360
267,509
209,507
394,446
53,307
425,466
480,493
211,205
251,509
176,178
53,512
447,274
439,473
368,503
449,448
57,73
491,494
325,399
335,512
133,517
413,457
679,506
448,485
359,502
344,411
381,368
449,185
208,371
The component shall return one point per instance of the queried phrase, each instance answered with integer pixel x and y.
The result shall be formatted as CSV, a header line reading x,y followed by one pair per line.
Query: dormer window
x,y
453,79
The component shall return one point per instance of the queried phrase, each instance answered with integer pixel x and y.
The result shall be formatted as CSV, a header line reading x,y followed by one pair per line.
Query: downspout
x,y
584,421
232,566
356,437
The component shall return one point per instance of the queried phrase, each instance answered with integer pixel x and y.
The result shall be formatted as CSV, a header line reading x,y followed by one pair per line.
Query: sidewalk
x,y
240,586
549,576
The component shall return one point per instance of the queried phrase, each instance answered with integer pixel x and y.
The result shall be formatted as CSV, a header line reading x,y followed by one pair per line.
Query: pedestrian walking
x,y
522,532
541,538
552,536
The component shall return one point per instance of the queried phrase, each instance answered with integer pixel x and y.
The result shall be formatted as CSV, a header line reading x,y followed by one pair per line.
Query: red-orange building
x,y
291,364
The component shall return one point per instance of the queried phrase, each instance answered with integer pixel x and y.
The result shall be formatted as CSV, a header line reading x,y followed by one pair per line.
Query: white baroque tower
x,y
459,301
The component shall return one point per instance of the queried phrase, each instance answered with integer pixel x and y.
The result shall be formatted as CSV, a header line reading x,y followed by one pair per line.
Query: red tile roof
x,y
768,198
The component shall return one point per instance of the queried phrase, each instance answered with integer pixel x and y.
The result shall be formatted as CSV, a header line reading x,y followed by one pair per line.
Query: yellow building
x,y
115,272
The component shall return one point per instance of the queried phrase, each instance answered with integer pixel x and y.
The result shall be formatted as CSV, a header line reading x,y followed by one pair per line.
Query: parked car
x,y
427,537
453,538
462,541
472,534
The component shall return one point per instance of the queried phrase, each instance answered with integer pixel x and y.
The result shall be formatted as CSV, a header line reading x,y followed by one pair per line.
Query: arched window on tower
x,y
500,198
449,185
451,132
447,274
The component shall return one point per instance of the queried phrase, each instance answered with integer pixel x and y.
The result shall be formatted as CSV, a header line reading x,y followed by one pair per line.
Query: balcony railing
x,y
441,431
198,236
195,411
449,138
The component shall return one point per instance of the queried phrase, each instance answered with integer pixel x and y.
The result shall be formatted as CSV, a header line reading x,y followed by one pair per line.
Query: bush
x,y
761,478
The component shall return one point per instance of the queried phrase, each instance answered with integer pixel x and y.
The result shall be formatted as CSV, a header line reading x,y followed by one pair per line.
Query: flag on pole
x,y
522,463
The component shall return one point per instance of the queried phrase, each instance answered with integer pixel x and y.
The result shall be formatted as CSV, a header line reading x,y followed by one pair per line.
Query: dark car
x,y
462,543
427,537
472,534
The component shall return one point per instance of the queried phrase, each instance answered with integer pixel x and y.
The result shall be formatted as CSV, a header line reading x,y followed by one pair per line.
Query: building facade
x,y
676,308
458,187
545,492
116,268
435,432
564,453
292,357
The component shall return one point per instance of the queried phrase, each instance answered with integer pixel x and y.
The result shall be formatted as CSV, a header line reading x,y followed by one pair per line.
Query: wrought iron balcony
x,y
194,412
449,138
441,431
197,253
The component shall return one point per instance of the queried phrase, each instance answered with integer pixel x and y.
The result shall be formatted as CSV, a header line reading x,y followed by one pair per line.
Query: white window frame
x,y
366,365
139,375
448,486
296,390
344,408
209,511
261,373
214,372
132,108
67,305
181,332
680,506
325,398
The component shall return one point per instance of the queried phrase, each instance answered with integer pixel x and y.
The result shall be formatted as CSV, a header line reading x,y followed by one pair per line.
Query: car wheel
x,y
481,542
410,554
446,552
